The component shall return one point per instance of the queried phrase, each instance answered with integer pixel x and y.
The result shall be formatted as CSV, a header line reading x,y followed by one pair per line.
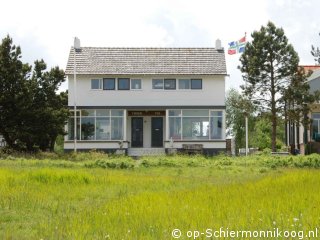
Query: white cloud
x,y
45,29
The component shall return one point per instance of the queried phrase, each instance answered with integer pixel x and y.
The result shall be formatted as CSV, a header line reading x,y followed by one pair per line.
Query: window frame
x,y
171,80
131,84
158,79
315,119
111,115
114,84
212,115
100,84
221,117
128,84
191,85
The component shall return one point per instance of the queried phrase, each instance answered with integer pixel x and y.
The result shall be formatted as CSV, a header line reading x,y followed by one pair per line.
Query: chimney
x,y
218,44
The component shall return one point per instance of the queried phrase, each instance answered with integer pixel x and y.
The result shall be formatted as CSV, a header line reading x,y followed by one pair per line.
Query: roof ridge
x,y
149,48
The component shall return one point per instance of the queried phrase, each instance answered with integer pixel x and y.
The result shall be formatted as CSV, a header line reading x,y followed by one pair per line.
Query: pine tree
x,y
14,91
32,114
315,52
267,64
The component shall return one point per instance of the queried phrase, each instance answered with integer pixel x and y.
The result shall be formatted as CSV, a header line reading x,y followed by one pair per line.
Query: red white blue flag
x,y
237,46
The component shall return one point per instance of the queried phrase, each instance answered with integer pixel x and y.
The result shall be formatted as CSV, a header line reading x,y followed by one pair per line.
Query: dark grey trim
x,y
96,141
205,151
149,107
105,150
210,141
123,89
109,89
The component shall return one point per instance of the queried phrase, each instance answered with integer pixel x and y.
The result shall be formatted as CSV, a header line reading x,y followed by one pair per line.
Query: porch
x,y
147,132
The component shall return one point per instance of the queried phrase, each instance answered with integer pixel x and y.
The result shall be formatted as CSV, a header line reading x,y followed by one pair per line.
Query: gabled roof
x,y
315,74
310,67
314,80
93,60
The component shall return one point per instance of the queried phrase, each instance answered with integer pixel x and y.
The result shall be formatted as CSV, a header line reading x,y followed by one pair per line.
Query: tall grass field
x,y
94,196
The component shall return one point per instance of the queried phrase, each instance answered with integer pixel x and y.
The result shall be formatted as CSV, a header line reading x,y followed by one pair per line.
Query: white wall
x,y
212,93
94,145
209,144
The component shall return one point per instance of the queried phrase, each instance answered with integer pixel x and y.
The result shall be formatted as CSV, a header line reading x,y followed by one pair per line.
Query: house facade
x,y
313,133
147,98
299,137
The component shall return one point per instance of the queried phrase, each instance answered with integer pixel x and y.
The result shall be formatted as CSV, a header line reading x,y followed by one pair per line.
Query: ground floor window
x,y
201,124
99,124
316,126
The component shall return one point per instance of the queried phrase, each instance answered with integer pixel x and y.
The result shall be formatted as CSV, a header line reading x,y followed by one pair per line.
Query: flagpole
x,y
75,99
76,47
234,48
246,119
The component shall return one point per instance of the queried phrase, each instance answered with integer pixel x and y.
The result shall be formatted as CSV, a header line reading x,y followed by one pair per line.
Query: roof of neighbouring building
x,y
314,80
310,67
94,60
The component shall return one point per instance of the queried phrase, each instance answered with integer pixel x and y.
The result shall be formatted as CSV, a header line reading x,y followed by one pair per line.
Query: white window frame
x,y
100,84
223,136
157,89
184,89
135,89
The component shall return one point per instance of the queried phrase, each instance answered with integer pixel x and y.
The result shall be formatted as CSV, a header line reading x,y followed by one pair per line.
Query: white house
x,y
296,135
147,99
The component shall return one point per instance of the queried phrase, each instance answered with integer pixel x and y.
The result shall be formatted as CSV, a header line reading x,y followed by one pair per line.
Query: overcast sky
x,y
45,29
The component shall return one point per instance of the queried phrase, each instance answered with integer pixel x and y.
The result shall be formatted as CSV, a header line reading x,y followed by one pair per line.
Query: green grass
x,y
94,196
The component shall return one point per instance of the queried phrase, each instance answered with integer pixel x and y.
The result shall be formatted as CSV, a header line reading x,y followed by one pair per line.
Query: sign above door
x,y
146,113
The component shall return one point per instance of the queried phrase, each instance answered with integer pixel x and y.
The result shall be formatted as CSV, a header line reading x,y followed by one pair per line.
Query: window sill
x,y
96,141
189,140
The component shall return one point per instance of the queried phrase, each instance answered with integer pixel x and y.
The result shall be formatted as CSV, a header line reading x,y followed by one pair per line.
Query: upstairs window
x,y
167,84
184,83
96,84
136,84
190,84
157,83
123,84
196,83
109,84
170,84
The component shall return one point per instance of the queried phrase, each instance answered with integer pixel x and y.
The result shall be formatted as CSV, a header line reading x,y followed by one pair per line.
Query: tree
x,y
47,110
236,108
13,88
267,63
261,134
315,52
298,100
32,115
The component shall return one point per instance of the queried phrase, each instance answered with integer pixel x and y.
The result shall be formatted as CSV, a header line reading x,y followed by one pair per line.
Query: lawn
x,y
93,196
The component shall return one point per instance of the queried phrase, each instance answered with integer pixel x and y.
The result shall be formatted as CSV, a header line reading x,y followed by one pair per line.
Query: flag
x,y
232,48
237,46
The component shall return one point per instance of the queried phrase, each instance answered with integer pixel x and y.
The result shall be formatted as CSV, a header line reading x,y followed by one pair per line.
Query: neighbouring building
x,y
147,99
313,133
297,136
